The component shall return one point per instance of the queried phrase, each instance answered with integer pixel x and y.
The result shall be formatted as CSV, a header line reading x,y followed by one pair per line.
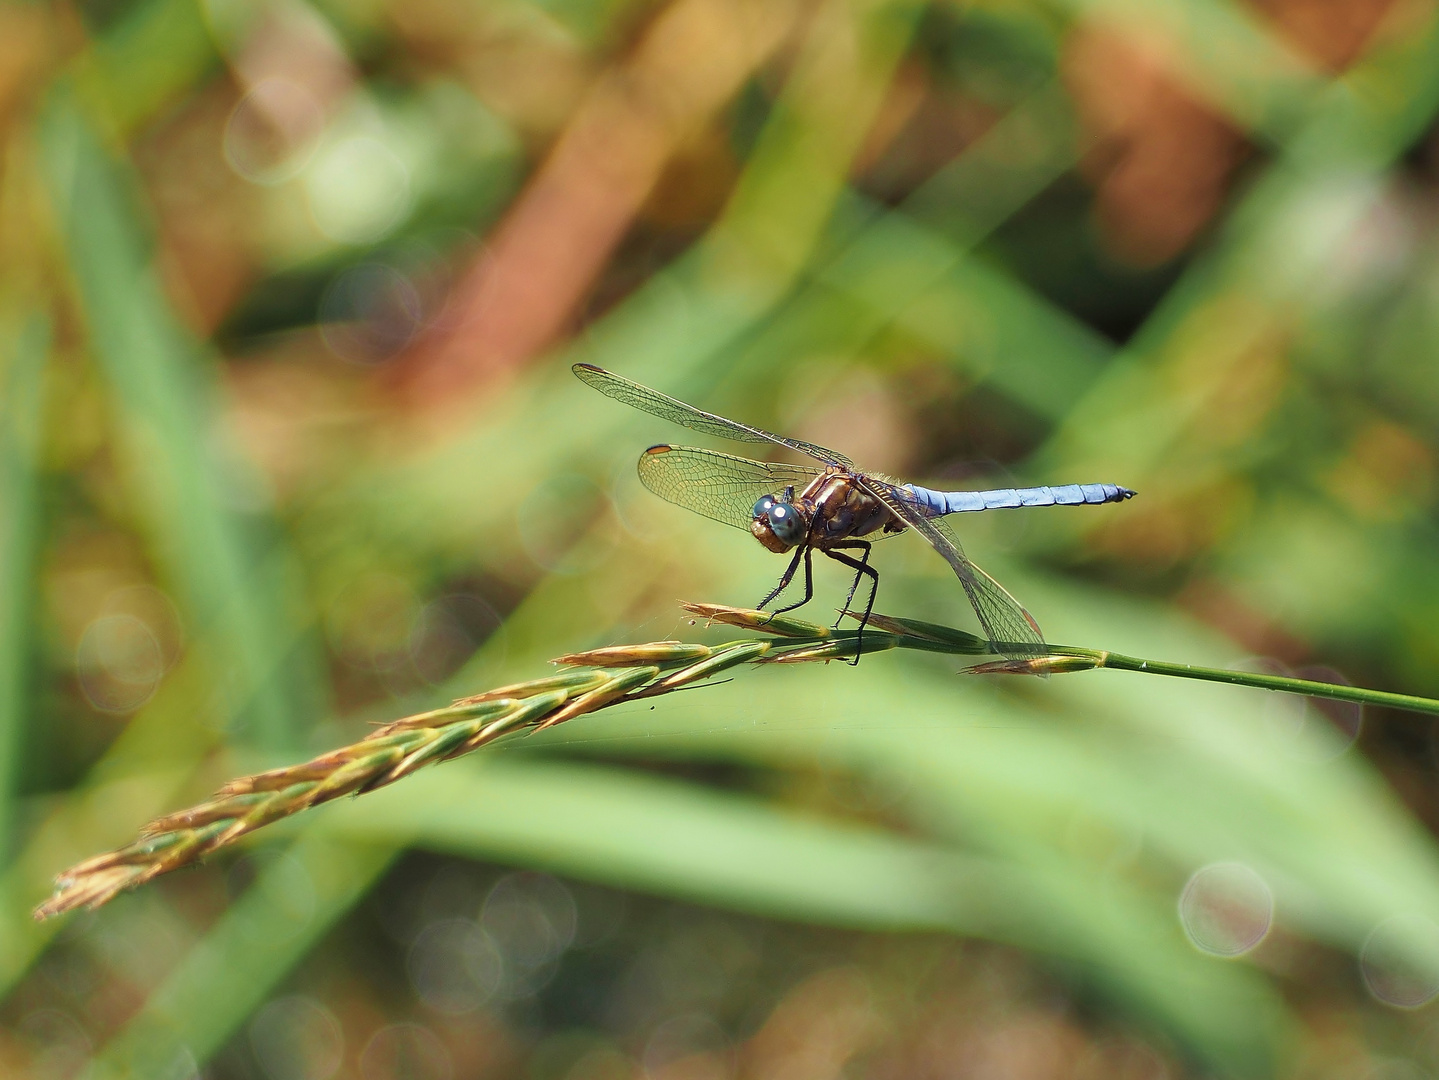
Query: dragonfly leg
x,y
799,553
862,569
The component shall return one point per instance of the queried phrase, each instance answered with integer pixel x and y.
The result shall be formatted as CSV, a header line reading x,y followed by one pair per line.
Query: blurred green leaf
x,y
23,356
660,836
198,492
294,900
152,55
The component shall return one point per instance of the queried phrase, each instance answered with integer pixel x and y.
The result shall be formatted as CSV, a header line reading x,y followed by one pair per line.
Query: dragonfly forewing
x,y
641,397
722,487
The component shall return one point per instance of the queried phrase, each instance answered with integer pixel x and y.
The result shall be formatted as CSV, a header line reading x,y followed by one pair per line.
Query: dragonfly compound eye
x,y
762,508
786,522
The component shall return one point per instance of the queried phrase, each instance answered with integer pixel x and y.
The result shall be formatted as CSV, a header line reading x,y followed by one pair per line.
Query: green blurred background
x,y
289,446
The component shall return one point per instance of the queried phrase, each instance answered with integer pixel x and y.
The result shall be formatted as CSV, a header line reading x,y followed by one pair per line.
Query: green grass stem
x,y
21,404
1282,683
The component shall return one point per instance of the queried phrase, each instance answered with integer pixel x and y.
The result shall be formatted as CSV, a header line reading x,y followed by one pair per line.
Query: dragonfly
x,y
832,507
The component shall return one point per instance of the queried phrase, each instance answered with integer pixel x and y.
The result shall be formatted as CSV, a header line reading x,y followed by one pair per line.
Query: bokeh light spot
x,y
369,313
454,966
272,132
119,663
405,1051
1308,729
531,919
297,1038
691,1045
1312,728
358,190
289,893
1226,909
370,622
602,1063
1400,961
449,630
58,1044
156,610
554,524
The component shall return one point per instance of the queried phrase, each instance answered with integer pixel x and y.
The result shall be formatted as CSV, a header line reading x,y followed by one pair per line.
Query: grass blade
x,y
255,944
661,836
158,375
21,407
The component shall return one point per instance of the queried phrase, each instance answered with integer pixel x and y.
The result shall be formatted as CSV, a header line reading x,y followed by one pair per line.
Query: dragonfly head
x,y
777,523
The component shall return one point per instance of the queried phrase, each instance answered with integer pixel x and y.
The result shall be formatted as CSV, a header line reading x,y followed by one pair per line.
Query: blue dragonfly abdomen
x,y
939,503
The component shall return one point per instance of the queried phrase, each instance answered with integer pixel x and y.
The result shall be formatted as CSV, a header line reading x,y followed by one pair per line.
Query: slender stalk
x,y
1064,658
593,680
1309,688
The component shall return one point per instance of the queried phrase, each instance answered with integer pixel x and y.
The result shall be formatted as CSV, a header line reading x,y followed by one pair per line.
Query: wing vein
x,y
639,396
722,487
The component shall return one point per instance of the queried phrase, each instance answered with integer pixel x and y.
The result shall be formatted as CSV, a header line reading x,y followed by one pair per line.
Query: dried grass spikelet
x,y
596,680
593,680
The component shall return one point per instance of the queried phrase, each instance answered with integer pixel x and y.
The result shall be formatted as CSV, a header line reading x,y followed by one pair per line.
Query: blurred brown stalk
x,y
1162,158
540,262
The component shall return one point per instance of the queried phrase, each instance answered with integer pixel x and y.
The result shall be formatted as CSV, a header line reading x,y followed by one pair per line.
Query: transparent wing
x,y
652,401
719,486
1012,631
